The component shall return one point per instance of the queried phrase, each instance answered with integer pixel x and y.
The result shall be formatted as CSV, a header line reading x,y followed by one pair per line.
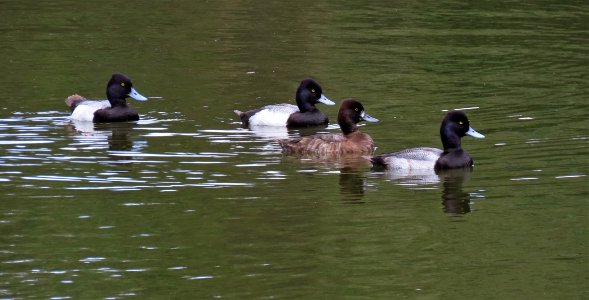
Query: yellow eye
x,y
460,122
355,108
122,84
312,90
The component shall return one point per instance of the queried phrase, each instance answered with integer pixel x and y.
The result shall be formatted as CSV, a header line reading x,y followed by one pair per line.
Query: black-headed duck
x,y
115,109
454,126
304,114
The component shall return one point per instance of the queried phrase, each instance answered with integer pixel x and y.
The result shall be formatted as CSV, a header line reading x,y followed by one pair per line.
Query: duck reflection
x,y
412,177
269,132
280,133
352,185
352,174
119,139
454,199
116,136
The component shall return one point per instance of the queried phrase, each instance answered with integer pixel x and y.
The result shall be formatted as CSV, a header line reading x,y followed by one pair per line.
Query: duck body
x,y
115,109
420,158
350,141
330,143
270,115
100,111
304,114
455,125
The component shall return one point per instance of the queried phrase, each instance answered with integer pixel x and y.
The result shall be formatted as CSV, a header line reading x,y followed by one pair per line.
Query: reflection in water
x,y
412,177
82,127
279,133
119,139
454,199
352,185
330,161
270,132
116,135
352,173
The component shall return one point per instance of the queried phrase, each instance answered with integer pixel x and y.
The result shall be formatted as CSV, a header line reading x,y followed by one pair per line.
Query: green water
x,y
185,204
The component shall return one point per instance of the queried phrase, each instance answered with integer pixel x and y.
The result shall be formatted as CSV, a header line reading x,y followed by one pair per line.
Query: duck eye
x,y
122,84
460,122
313,91
355,108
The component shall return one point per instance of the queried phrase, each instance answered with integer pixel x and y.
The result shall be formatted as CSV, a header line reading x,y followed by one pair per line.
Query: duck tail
x,y
378,161
283,144
293,146
73,101
243,116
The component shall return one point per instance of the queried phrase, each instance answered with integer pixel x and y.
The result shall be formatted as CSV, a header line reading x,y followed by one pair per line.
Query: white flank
x,y
273,115
396,163
85,110
414,159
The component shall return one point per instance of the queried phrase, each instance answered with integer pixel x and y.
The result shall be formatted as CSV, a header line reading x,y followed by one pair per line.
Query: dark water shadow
x,y
352,173
114,136
454,199
352,183
119,138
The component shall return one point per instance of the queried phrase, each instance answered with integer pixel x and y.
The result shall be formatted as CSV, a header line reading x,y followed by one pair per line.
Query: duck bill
x,y
474,133
135,95
326,101
368,118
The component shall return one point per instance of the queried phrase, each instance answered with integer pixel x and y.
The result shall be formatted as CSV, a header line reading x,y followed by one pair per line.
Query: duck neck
x,y
450,140
116,95
304,106
347,127
117,102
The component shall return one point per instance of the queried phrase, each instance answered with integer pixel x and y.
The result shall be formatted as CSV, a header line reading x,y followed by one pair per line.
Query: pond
x,y
186,203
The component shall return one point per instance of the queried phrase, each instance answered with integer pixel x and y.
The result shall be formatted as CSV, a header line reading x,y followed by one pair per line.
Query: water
x,y
186,204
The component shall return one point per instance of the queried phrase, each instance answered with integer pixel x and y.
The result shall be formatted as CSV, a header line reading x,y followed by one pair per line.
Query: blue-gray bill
x,y
366,117
474,133
325,100
135,95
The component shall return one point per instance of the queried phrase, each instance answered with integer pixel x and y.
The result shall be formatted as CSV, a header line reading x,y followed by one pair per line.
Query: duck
x,y
115,109
304,114
455,125
349,142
